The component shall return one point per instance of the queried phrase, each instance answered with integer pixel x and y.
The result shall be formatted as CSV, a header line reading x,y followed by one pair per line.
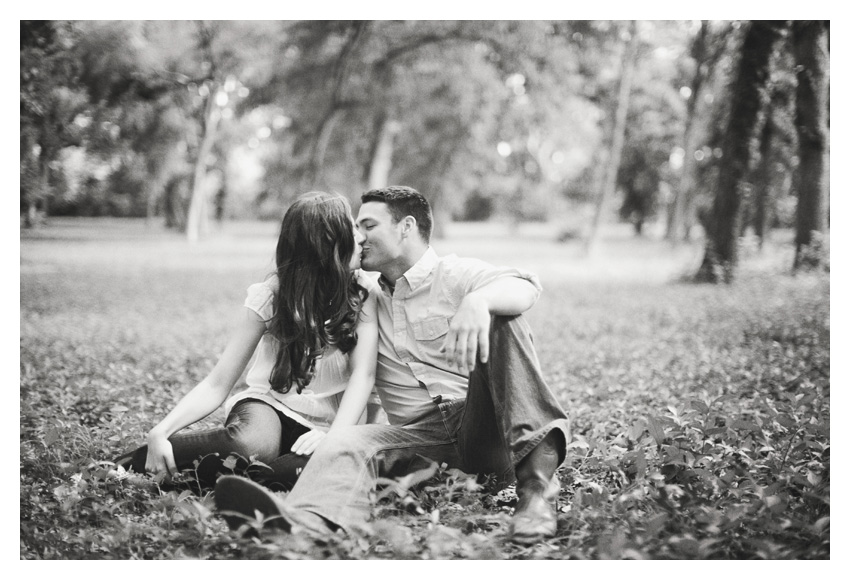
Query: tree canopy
x,y
519,120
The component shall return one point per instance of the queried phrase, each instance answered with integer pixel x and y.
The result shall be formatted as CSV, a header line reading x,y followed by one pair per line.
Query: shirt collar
x,y
417,273
385,284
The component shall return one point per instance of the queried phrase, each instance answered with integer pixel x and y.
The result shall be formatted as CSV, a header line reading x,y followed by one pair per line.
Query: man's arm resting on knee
x,y
469,330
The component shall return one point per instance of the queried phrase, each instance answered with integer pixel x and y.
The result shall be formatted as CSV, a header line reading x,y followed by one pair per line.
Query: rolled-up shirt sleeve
x,y
470,274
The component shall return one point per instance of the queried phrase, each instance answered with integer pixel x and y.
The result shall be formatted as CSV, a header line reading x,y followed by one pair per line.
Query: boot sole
x,y
544,530
240,501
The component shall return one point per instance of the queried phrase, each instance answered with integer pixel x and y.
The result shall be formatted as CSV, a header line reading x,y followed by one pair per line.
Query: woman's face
x,y
358,242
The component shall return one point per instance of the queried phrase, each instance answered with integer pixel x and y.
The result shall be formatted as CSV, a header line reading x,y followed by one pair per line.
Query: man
x,y
458,378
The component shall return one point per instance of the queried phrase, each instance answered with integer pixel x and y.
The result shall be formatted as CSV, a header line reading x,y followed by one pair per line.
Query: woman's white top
x,y
317,404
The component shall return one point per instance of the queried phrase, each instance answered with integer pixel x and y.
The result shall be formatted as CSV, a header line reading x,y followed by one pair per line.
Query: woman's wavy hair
x,y
318,300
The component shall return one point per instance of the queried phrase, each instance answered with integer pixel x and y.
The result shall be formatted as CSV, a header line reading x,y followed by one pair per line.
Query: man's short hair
x,y
404,201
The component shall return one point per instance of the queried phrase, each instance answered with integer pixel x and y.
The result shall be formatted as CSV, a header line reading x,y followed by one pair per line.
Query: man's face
x,y
358,243
381,236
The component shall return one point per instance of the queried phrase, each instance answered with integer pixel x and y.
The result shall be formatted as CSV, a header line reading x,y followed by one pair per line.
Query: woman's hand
x,y
160,461
307,443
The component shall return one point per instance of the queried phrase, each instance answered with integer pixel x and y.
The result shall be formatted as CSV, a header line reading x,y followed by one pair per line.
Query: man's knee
x,y
511,325
511,334
353,438
357,443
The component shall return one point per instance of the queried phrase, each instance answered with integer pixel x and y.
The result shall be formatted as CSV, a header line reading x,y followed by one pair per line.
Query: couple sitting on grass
x,y
441,341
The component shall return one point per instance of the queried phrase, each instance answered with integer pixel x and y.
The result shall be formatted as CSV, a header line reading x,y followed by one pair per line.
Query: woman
x,y
313,326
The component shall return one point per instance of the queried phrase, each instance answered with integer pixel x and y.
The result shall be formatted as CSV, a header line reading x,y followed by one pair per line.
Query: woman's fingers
x,y
308,442
170,464
160,461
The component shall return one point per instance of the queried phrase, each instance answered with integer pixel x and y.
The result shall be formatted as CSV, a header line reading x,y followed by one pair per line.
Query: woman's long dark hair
x,y
318,299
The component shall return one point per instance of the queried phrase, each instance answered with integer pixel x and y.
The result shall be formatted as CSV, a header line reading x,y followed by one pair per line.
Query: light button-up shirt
x,y
413,320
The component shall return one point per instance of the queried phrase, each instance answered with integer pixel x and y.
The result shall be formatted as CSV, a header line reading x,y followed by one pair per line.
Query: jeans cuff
x,y
563,425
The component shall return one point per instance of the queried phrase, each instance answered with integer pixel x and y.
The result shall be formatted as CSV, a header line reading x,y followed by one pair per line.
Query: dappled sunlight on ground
x,y
700,412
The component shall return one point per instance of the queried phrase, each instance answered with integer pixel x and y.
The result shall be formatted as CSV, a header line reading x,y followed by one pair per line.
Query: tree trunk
x,y
34,216
748,95
811,56
609,183
440,161
682,205
150,203
313,173
763,181
382,157
174,202
197,222
345,60
155,183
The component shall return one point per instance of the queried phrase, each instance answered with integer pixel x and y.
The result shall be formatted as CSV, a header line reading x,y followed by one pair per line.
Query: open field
x,y
701,414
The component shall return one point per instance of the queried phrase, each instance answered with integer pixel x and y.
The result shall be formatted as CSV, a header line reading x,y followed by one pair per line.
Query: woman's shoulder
x,y
260,296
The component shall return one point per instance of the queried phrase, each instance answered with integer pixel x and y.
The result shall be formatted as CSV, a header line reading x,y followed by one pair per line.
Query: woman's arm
x,y
364,360
207,395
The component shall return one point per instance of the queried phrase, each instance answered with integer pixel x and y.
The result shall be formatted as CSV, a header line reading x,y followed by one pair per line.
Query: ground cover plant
x,y
700,413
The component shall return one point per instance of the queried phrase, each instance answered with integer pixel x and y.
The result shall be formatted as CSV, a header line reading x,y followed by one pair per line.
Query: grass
x,y
701,413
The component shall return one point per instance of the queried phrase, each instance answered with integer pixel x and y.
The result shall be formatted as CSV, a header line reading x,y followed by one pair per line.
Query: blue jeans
x,y
508,411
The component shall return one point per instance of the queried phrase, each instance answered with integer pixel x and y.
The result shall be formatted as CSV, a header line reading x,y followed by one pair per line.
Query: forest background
x,y
514,120
700,148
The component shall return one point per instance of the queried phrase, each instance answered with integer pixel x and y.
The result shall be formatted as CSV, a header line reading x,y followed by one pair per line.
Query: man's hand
x,y
307,443
160,461
469,334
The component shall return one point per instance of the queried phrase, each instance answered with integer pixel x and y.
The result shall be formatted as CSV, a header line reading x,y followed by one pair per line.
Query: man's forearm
x,y
507,296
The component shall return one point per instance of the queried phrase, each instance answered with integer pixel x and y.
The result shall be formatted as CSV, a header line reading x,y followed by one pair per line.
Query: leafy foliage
x,y
318,94
701,415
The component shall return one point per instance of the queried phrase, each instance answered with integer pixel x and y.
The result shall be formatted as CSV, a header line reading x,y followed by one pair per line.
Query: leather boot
x,y
133,460
537,488
241,501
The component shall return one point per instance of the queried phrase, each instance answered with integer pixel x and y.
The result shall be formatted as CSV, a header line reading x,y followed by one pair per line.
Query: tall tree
x,y
811,53
778,147
197,221
612,167
144,105
380,162
342,70
682,205
51,98
748,95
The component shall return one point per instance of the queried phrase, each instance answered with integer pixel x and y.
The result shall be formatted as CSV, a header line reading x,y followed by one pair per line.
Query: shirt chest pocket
x,y
430,328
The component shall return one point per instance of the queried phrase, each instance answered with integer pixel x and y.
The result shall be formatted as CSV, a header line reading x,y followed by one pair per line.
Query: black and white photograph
x,y
430,289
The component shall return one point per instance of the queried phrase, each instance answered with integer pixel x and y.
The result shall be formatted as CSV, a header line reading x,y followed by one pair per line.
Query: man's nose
x,y
358,237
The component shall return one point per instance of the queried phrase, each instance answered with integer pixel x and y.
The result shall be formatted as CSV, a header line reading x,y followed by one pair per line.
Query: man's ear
x,y
408,226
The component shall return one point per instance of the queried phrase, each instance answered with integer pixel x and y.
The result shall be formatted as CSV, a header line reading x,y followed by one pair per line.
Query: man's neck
x,y
397,269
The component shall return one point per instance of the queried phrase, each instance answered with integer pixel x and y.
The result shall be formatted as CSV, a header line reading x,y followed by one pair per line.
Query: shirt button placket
x,y
400,323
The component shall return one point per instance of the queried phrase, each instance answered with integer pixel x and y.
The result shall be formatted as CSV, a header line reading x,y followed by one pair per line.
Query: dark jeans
x,y
252,429
508,411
